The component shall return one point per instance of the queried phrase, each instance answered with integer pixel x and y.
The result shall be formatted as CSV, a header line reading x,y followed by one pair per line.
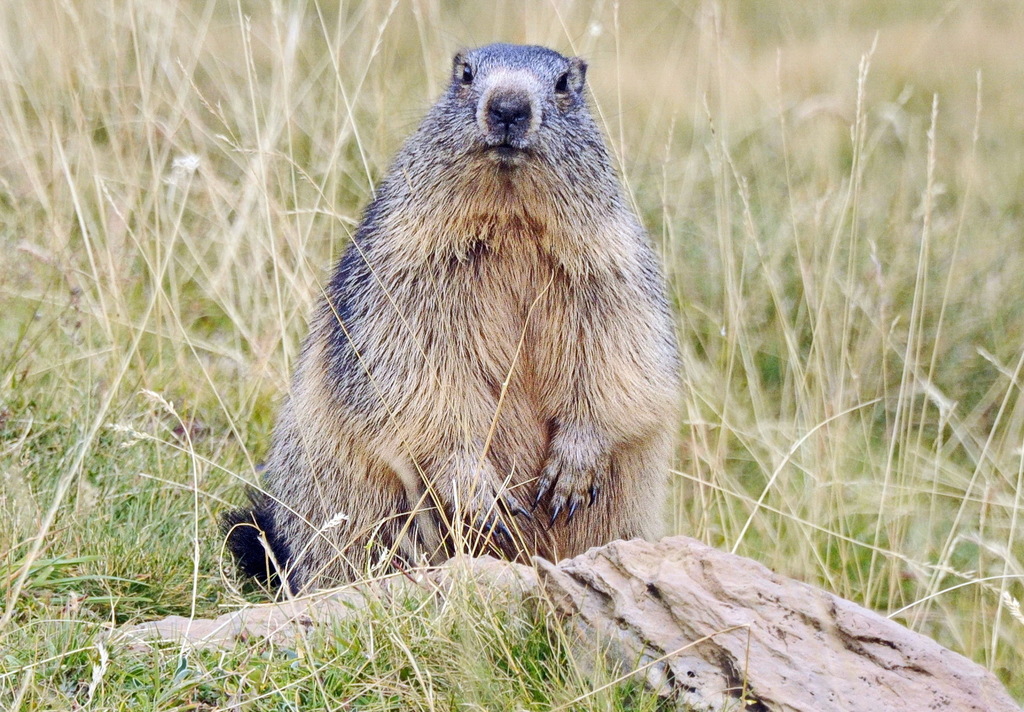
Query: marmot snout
x,y
492,366
507,117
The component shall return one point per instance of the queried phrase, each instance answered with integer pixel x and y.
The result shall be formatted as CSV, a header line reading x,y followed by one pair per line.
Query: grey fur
x,y
492,366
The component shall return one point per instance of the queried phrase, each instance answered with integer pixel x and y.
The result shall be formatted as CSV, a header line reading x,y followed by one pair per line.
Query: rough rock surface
x,y
725,627
703,627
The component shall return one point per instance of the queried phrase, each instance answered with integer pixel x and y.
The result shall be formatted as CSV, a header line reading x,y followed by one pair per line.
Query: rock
x,y
713,628
707,629
281,622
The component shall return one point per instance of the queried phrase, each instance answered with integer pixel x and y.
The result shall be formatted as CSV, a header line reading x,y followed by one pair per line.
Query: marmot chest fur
x,y
492,366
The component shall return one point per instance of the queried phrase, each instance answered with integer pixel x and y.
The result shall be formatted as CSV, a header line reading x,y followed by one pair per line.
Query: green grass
x,y
841,230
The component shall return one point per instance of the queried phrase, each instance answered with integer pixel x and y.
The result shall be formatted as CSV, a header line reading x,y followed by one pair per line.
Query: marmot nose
x,y
509,113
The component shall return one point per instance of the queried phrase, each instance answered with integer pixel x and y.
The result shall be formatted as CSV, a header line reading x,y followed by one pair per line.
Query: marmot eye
x,y
467,74
562,84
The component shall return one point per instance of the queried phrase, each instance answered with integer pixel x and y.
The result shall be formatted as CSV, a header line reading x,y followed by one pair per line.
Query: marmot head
x,y
517,103
510,139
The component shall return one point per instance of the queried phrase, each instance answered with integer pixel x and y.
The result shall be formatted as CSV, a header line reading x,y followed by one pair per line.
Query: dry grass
x,y
837,196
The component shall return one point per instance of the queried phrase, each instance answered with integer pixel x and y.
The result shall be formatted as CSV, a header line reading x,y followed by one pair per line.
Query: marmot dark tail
x,y
249,531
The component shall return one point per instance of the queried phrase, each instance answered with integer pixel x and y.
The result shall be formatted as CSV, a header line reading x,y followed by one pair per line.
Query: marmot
x,y
492,366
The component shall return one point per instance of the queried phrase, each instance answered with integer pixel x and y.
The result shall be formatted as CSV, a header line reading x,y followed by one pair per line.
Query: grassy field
x,y
838,195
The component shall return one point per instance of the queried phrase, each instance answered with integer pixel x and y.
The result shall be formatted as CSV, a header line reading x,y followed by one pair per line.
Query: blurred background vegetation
x,y
837,191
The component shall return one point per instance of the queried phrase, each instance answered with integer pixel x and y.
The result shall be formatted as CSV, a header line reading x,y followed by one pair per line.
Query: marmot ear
x,y
458,63
577,73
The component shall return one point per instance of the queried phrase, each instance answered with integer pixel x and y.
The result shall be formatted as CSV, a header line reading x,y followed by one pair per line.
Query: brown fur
x,y
496,332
